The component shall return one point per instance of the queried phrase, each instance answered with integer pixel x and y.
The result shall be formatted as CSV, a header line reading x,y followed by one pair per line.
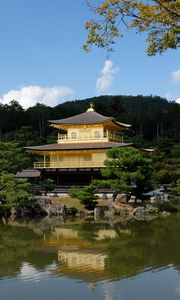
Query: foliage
x,y
86,196
166,206
12,157
26,136
159,18
127,170
151,117
166,161
155,123
87,231
71,211
14,113
136,246
13,190
74,192
51,138
176,188
5,209
38,116
47,184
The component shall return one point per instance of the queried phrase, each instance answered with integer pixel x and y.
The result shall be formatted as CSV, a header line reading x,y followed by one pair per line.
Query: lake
x,y
119,259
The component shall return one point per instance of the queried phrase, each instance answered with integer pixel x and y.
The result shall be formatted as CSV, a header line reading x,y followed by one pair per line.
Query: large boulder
x,y
99,211
21,211
148,212
120,209
39,207
45,206
121,198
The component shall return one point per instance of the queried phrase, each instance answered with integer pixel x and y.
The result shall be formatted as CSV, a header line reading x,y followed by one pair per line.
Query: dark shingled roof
x,y
78,146
88,117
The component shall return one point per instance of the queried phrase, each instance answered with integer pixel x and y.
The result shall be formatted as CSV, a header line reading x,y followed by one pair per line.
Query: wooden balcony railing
x,y
64,138
70,165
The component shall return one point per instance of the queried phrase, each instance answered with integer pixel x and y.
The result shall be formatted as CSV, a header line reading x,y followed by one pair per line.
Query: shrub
x,y
71,211
5,209
74,192
88,198
166,206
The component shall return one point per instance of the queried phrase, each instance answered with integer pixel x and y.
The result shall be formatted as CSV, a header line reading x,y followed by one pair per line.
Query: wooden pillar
x,y
57,160
44,160
57,179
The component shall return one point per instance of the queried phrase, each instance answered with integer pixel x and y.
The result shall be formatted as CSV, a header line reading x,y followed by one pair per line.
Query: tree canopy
x,y
155,124
127,170
86,196
159,18
13,190
12,157
151,116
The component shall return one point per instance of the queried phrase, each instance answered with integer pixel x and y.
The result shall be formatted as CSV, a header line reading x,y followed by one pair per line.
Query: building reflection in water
x,y
79,258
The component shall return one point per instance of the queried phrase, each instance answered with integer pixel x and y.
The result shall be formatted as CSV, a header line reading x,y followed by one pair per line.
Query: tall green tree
x,y
87,196
127,170
166,161
158,18
12,116
13,190
38,116
47,184
26,136
12,157
176,188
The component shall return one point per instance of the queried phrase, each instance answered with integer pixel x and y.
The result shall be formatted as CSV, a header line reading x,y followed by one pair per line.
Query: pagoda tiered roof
x,y
88,117
77,146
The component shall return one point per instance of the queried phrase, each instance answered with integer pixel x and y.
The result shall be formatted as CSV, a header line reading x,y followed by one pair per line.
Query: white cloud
x,y
29,95
28,272
175,75
107,75
170,97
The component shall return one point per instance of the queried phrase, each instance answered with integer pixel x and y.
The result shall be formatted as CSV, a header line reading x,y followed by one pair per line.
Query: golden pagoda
x,y
79,154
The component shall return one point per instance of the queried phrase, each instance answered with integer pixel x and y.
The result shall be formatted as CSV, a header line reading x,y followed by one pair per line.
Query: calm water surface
x,y
120,260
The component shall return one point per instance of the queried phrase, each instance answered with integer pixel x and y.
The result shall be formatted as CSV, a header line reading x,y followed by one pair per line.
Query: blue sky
x,y
41,57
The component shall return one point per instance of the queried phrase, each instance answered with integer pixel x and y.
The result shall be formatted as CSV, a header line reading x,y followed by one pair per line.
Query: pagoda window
x,y
97,134
73,135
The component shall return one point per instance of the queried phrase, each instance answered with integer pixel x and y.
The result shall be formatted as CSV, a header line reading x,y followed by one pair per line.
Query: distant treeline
x,y
151,117
155,124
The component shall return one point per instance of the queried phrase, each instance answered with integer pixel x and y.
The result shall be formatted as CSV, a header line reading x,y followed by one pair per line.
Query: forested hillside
x,y
155,123
151,117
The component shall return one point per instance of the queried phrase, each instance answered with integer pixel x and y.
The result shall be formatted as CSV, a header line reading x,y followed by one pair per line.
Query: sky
x,y
41,58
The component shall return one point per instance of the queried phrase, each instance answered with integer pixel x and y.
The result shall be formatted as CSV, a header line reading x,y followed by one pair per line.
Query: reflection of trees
x,y
152,244
138,246
17,245
135,246
86,231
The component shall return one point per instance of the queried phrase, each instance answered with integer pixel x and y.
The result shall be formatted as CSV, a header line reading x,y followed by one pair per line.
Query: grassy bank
x,y
72,202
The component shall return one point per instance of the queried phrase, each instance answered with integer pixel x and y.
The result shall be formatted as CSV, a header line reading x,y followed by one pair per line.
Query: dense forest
x,y
152,117
155,123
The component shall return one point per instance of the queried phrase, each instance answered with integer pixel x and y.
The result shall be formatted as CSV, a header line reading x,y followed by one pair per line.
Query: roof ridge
x,y
82,118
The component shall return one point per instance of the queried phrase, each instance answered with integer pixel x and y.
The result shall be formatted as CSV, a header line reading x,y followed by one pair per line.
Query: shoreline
x,y
69,207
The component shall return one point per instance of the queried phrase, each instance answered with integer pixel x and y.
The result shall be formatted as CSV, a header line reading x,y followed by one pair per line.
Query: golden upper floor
x,y
89,127
85,142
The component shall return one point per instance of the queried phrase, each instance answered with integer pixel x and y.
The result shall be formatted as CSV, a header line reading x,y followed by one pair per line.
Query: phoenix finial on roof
x,y
91,106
